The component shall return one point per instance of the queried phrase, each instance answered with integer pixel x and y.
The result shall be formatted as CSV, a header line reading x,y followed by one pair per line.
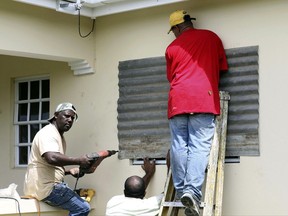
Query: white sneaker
x,y
192,207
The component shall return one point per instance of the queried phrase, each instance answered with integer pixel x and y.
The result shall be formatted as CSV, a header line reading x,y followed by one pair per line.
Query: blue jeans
x,y
189,153
62,196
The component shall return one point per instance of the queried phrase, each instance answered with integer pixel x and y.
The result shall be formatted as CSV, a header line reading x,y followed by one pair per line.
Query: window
x,y
31,114
143,128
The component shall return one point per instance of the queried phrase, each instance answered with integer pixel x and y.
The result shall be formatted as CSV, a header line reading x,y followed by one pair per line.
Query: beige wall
x,y
256,186
32,31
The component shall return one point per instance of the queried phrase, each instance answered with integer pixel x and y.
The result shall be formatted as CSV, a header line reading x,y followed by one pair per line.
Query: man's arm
x,y
58,159
149,168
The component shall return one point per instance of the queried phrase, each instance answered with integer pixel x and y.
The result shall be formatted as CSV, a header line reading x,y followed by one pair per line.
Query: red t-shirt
x,y
194,61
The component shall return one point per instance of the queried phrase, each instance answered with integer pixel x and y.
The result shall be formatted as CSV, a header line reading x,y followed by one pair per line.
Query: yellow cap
x,y
177,17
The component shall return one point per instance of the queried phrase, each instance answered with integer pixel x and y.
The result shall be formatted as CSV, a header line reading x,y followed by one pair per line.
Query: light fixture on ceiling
x,y
73,7
70,7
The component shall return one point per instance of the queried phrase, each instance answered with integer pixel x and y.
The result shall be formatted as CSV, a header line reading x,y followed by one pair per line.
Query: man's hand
x,y
75,172
84,161
93,166
149,167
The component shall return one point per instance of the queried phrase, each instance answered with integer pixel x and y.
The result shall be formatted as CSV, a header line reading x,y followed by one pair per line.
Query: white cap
x,y
62,107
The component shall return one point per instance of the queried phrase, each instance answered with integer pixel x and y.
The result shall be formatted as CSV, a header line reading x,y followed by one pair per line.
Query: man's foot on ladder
x,y
192,206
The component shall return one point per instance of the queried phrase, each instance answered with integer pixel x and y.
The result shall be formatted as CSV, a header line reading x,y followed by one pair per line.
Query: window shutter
x,y
143,128
241,82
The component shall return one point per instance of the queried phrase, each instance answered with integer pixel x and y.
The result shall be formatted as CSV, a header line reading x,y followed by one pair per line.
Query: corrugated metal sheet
x,y
241,82
143,128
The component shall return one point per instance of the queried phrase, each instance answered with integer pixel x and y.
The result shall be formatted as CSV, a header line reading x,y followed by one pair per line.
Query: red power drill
x,y
96,158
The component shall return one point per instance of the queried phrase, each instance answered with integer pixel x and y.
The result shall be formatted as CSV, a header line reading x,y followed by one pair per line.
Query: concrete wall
x,y
255,186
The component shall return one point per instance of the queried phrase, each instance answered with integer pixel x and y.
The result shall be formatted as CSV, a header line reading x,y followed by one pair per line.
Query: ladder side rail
x,y
211,177
221,158
168,194
211,171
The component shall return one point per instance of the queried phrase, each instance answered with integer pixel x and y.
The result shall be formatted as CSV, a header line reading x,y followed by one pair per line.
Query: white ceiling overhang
x,y
97,8
92,9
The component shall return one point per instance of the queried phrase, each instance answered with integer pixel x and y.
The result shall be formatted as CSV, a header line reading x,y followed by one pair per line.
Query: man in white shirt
x,y
133,202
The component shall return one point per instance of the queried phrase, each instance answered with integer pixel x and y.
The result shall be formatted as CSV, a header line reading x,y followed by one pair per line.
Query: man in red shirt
x,y
195,60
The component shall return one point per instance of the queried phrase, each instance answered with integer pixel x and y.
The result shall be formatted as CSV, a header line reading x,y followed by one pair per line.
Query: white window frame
x,y
17,123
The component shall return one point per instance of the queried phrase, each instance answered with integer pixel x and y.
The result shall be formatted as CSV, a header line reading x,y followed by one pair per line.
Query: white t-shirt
x,y
40,176
127,206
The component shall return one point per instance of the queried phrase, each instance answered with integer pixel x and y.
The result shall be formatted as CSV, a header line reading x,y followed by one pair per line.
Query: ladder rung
x,y
179,204
173,204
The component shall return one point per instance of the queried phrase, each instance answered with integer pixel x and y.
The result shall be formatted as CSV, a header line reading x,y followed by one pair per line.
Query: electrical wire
x,y
79,26
78,176
18,204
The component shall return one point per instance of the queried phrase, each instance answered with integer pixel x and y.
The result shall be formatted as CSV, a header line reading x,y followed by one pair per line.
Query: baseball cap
x,y
177,17
62,107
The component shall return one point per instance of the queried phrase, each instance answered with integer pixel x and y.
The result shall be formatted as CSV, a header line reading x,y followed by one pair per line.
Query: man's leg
x,y
63,197
201,132
178,151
